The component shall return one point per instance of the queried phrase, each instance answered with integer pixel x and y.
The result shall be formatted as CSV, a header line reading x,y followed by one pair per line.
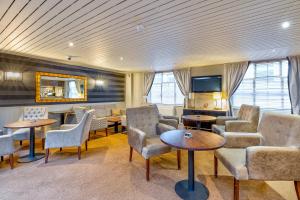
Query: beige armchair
x,y
168,120
70,135
7,147
246,121
273,153
144,131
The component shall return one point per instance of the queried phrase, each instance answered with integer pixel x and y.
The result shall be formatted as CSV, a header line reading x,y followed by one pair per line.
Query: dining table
x,y
31,124
192,140
198,119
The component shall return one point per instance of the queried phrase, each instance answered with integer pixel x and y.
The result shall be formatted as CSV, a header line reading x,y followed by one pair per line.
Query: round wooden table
x,y
116,120
199,118
200,141
32,156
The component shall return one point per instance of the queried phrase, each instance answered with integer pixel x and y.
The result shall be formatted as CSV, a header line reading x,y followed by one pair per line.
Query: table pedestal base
x,y
200,192
28,158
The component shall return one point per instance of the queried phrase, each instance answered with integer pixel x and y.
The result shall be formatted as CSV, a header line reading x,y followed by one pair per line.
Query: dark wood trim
x,y
215,166
236,188
106,133
130,154
79,152
60,149
2,158
86,145
178,159
43,143
148,169
21,142
11,161
46,156
297,188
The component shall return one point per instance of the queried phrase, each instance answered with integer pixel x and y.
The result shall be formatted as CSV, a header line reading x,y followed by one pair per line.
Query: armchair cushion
x,y
241,139
222,119
234,160
98,123
274,163
154,147
161,128
240,126
170,122
219,129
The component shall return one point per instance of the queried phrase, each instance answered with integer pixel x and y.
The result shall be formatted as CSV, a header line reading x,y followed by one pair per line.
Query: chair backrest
x,y
249,113
280,129
144,118
87,120
79,112
34,113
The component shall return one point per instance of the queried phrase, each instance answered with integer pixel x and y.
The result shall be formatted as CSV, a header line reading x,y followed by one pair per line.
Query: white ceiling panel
x,y
151,34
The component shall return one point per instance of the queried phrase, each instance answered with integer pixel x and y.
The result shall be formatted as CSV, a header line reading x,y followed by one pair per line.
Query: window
x,y
265,85
164,90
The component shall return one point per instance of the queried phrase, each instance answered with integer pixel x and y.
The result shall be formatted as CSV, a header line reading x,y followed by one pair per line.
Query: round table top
x,y
201,118
200,141
30,124
114,119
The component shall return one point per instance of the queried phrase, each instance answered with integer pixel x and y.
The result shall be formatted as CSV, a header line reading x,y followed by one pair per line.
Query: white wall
x,y
128,90
11,114
137,89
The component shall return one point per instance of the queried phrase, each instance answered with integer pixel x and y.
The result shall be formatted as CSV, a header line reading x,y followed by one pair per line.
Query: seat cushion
x,y
235,161
154,147
219,129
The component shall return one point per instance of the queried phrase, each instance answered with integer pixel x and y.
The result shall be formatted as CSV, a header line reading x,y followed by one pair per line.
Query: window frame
x,y
255,78
161,90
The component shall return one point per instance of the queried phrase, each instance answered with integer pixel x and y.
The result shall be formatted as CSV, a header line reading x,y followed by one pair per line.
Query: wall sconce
x,y
13,76
99,82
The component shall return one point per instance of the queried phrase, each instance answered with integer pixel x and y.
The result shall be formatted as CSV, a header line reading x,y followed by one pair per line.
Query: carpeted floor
x,y
104,172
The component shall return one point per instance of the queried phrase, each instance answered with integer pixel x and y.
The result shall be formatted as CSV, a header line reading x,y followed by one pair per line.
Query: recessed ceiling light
x,y
121,58
285,25
140,28
273,50
71,44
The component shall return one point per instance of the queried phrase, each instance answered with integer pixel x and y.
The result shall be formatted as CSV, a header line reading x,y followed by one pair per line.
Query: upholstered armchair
x,y
31,113
98,123
168,120
246,121
7,147
70,135
144,131
273,153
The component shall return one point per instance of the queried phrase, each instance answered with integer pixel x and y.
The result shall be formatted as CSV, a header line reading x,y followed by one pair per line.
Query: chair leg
x,y
216,166
11,161
178,159
60,149
2,158
236,192
21,142
86,145
79,153
106,133
297,187
46,156
43,143
130,154
148,169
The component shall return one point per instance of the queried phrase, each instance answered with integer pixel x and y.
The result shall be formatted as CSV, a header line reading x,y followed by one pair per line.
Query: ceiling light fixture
x,y
285,25
71,44
121,58
140,28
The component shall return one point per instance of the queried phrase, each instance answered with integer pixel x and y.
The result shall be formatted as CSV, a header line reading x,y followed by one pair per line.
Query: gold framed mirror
x,y
52,87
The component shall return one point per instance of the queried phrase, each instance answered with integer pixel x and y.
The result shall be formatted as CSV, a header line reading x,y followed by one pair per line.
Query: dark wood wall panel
x,y
13,93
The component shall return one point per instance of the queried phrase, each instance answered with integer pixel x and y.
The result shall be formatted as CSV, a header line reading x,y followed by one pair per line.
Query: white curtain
x,y
148,81
294,83
73,93
183,80
233,76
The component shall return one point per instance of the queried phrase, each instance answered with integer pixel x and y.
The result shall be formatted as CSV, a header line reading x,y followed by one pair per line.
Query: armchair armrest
x,y
241,139
171,117
136,139
161,128
222,119
170,122
273,163
7,145
67,126
240,126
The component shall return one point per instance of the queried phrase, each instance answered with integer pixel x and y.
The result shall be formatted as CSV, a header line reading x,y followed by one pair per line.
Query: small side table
x,y
199,119
200,141
116,120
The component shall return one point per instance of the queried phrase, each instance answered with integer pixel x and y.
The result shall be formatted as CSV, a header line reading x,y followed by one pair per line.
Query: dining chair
x,y
7,147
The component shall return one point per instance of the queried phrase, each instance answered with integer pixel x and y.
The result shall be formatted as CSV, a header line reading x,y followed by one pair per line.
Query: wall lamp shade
x,y
217,96
99,82
13,76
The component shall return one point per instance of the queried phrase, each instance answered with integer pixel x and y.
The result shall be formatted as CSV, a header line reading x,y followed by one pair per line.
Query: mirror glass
x,y
58,87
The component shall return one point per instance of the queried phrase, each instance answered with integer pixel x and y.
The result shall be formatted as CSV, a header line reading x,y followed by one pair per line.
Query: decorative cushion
x,y
234,160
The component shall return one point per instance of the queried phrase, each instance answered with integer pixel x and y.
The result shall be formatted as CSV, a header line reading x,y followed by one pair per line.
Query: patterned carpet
x,y
104,172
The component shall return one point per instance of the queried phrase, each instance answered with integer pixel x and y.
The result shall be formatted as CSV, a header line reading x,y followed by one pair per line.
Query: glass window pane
x,y
179,96
168,93
155,93
168,77
262,70
158,78
285,68
250,72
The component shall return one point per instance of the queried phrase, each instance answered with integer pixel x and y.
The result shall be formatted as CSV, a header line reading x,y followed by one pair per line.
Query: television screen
x,y
207,84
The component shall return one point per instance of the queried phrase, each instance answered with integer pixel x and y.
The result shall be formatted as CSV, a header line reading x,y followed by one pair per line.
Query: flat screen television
x,y
202,84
